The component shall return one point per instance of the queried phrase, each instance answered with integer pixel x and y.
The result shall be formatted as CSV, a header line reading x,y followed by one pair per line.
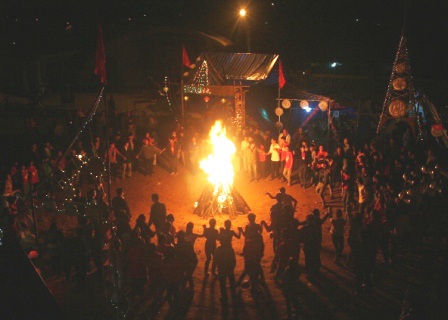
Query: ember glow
x,y
218,165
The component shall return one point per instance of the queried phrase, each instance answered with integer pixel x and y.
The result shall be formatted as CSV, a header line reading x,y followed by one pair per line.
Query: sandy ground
x,y
330,297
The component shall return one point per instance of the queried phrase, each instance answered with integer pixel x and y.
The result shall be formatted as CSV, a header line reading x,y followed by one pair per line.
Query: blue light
x,y
265,115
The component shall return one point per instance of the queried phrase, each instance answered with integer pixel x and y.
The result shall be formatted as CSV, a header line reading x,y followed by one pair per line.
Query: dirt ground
x,y
329,297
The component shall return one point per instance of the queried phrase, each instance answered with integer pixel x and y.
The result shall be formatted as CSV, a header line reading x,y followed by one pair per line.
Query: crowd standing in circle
x,y
158,262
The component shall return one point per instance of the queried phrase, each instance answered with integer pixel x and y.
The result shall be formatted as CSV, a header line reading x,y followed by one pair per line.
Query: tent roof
x,y
224,68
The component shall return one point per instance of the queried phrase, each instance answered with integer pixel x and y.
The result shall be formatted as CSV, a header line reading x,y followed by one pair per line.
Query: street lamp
x,y
243,14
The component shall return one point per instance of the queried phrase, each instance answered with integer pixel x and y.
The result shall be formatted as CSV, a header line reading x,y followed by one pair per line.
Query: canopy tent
x,y
226,68
227,75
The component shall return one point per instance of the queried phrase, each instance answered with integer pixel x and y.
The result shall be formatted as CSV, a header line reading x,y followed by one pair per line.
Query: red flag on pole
x,y
281,76
100,62
185,59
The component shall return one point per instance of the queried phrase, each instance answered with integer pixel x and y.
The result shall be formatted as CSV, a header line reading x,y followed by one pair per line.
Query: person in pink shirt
x,y
289,161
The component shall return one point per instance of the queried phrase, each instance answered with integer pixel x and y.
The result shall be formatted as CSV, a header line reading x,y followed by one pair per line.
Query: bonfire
x,y
219,196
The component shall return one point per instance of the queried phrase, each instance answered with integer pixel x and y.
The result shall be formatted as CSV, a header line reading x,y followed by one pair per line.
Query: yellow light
x,y
219,164
243,12
186,98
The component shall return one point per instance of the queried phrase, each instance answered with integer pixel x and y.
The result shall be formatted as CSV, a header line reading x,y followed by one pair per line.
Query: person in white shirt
x,y
362,195
285,134
274,151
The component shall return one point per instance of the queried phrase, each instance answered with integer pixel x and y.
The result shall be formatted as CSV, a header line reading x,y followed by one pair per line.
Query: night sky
x,y
354,33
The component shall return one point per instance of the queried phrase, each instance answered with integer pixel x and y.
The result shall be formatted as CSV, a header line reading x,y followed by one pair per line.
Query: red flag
x,y
100,62
281,76
185,59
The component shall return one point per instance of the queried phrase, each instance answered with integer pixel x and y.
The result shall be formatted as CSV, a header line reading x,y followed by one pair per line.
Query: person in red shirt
x,y
289,161
261,162
33,175
321,153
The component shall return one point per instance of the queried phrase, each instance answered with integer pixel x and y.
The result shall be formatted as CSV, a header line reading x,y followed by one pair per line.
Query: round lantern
x,y
192,66
186,73
399,84
279,125
304,104
186,98
165,89
400,68
323,105
436,130
206,99
223,100
278,111
286,104
397,108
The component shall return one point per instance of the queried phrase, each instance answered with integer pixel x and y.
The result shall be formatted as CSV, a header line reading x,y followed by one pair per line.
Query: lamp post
x,y
243,14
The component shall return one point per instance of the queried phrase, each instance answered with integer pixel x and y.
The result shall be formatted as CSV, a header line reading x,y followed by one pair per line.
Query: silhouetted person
x,y
157,215
226,262
290,287
337,234
171,275
227,234
122,212
187,258
136,259
211,235
311,246
146,232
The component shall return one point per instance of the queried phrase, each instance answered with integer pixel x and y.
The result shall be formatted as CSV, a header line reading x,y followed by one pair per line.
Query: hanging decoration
x,y
278,112
286,103
304,104
279,124
201,82
399,84
437,130
397,108
323,105
428,181
206,99
166,89
400,97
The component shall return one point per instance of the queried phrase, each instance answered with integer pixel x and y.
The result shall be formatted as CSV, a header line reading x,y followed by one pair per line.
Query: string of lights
x,y
201,81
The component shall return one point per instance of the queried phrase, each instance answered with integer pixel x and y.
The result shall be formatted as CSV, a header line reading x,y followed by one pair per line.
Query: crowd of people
x,y
158,261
